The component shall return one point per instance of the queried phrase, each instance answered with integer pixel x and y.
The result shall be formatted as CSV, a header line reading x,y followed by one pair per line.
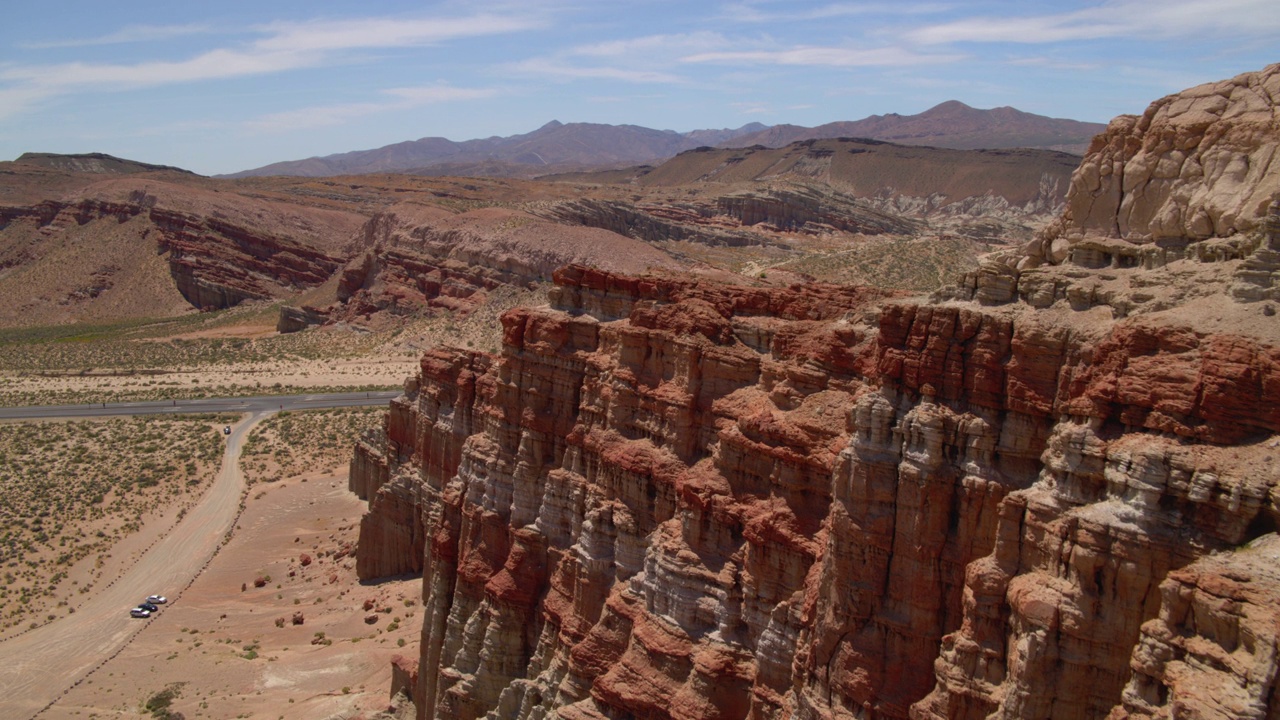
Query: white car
x,y
139,613
157,599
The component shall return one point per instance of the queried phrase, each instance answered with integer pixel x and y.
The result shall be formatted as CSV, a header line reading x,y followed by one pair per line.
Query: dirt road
x,y
40,666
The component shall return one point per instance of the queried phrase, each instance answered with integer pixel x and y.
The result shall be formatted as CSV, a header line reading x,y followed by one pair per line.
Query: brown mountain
x,y
950,125
100,163
96,238
553,147
564,147
868,168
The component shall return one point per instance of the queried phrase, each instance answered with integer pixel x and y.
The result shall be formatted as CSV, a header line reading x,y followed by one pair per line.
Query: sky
x,y
233,85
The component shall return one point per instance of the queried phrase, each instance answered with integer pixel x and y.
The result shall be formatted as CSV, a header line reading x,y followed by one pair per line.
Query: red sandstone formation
x,y
1049,493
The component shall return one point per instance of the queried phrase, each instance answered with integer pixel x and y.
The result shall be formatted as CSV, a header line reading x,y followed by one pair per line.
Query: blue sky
x,y
227,86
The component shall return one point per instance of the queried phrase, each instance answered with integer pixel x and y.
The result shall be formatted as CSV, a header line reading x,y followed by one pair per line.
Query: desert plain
x,y
85,500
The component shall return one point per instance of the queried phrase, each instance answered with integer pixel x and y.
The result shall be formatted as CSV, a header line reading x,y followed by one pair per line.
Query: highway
x,y
38,667
259,404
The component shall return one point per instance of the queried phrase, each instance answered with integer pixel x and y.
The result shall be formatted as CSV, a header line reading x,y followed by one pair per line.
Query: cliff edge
x,y
1050,491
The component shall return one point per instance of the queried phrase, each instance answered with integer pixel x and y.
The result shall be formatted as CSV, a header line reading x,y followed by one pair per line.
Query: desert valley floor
x,y
837,430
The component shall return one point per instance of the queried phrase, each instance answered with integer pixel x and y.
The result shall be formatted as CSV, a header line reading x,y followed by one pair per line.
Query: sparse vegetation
x,y
292,443
920,264
70,490
194,356
158,704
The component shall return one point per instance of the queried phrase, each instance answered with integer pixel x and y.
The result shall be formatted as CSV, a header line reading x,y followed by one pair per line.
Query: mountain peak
x,y
552,125
948,107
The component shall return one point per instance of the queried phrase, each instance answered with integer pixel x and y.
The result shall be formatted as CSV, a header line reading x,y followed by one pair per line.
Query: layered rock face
x,y
852,186
1195,165
217,264
675,500
213,262
415,256
1050,492
737,220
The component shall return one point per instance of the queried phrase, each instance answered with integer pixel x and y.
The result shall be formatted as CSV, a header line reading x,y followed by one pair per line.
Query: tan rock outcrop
x,y
1210,653
1197,164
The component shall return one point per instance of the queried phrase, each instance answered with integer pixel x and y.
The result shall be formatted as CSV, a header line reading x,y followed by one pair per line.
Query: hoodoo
x,y
1047,492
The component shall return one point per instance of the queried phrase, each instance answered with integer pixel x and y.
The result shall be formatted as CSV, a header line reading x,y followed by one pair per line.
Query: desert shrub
x,y
159,703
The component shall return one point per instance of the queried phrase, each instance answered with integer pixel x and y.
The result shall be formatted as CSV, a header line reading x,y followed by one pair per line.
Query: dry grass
x,y
234,353
21,394
69,491
293,443
917,264
186,342
480,330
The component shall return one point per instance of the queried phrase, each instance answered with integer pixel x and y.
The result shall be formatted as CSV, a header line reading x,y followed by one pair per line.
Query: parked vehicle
x,y
226,430
139,613
157,599
148,607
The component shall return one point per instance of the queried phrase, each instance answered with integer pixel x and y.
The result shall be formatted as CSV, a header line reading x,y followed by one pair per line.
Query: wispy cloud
x,y
132,34
208,66
17,100
554,68
331,35
1053,64
284,47
825,56
399,99
647,59
1137,18
755,12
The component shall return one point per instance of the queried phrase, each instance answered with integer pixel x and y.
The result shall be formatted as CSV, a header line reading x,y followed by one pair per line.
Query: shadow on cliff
x,y
374,582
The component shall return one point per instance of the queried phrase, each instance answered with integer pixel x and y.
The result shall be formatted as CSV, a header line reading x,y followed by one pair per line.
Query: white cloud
x,y
285,47
754,108
749,12
15,101
648,59
404,98
132,34
1123,18
208,66
824,56
439,93
554,68
1053,64
331,35
653,48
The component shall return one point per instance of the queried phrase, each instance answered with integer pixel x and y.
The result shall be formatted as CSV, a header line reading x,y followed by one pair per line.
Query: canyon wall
x,y
415,256
213,262
1051,491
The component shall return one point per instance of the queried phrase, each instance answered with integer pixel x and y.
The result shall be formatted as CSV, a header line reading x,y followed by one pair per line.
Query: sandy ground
x,y
264,378
220,644
201,640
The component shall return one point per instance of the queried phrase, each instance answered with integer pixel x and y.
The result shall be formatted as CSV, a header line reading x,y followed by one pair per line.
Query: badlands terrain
x,y
840,428
1048,490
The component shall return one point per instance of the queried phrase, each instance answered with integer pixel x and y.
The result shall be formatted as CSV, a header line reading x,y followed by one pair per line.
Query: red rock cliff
x,y
1054,495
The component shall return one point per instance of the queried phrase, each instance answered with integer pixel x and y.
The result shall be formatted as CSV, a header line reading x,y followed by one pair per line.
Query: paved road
x,y
38,667
210,405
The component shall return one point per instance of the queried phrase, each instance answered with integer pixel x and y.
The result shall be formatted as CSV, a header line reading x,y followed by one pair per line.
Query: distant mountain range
x,y
553,147
949,125
565,147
